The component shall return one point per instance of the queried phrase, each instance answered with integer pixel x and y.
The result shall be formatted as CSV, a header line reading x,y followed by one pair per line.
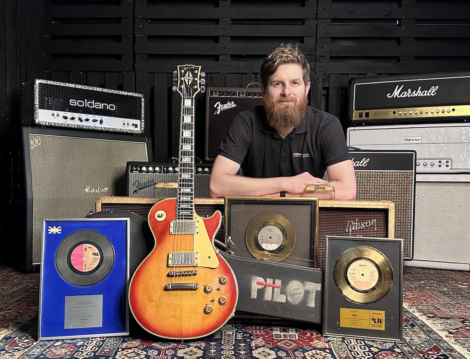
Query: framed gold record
x,y
270,236
363,294
363,274
274,229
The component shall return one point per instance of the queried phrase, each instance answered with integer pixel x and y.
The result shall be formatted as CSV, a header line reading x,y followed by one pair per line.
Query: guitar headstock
x,y
187,80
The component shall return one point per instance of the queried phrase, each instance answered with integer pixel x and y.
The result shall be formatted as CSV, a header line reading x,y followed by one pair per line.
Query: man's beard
x,y
284,116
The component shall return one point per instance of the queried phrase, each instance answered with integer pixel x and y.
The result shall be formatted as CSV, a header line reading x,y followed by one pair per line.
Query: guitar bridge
x,y
181,286
182,259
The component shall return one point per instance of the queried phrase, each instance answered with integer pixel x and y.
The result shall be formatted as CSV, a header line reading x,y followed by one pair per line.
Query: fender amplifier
x,y
145,179
222,105
409,99
58,173
59,104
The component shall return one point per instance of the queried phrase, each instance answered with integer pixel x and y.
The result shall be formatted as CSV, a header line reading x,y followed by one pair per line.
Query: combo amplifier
x,y
409,99
59,104
442,186
389,175
205,207
145,179
57,173
222,105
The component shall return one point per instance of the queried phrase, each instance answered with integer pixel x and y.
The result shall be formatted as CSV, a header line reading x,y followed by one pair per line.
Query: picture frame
x,y
363,293
281,230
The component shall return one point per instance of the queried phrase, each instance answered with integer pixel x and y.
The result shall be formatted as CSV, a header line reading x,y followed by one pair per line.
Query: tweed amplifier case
x,y
389,175
59,104
205,207
353,218
409,99
442,186
146,179
222,105
58,173
279,289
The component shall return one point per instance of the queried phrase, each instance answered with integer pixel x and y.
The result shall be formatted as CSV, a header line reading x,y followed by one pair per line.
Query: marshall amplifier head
x,y
222,105
409,99
58,104
146,179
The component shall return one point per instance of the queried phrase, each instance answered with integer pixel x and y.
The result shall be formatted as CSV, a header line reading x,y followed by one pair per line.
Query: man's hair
x,y
287,54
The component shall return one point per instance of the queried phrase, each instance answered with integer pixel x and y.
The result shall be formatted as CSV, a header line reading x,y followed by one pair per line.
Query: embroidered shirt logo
x,y
301,155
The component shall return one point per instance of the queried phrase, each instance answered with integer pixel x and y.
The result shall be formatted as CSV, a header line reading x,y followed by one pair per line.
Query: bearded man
x,y
285,145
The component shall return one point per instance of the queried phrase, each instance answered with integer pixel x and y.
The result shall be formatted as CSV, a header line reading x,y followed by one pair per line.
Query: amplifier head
x,y
222,105
59,104
409,99
145,179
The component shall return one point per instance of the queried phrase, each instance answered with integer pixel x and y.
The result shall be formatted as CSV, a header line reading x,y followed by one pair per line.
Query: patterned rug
x,y
436,325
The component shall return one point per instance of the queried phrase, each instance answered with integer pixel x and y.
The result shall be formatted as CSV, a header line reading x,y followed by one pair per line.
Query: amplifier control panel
x,y
434,164
155,168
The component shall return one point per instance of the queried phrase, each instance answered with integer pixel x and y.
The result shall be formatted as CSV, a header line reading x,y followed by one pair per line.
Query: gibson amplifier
x,y
146,179
58,104
222,105
57,173
409,99
388,175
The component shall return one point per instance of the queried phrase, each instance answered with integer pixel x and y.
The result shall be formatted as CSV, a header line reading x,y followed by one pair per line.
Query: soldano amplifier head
x,y
409,99
59,104
205,207
149,179
222,105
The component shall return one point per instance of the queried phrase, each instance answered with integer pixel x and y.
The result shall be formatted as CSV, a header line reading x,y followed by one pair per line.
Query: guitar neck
x,y
185,197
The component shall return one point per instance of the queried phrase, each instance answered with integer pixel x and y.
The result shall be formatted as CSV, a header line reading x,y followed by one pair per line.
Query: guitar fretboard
x,y
185,199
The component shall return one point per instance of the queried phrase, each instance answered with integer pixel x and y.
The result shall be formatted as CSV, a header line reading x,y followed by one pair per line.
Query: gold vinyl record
x,y
270,236
363,274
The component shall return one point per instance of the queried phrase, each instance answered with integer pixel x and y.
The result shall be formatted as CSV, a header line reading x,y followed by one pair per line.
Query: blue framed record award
x,y
84,278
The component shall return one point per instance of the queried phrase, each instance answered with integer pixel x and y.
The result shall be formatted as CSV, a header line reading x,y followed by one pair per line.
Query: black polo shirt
x,y
318,142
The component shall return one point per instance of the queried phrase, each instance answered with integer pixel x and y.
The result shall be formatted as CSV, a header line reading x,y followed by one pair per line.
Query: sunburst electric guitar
x,y
184,289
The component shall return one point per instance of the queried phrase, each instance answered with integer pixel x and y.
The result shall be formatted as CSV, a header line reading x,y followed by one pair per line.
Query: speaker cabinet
x,y
388,175
55,173
442,226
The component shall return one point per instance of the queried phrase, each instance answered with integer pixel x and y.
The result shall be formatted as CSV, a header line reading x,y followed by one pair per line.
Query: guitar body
x,y
182,313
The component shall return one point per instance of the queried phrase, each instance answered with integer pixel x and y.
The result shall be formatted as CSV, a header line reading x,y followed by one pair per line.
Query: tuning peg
x,y
175,74
203,82
203,74
203,89
173,88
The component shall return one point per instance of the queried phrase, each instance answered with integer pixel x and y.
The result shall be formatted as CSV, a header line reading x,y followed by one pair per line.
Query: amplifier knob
x,y
432,111
177,169
427,112
144,169
404,112
170,169
400,113
206,170
437,111
432,163
417,163
421,112
199,169
157,169
151,169
425,163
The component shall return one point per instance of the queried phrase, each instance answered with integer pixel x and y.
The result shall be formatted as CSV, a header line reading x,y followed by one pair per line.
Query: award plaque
x,y
363,287
84,278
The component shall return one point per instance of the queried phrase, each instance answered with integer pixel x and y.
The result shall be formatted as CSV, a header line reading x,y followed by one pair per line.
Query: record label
x,y
85,257
362,275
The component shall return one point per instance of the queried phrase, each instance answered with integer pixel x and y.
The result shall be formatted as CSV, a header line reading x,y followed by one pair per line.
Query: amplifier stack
x,y
425,114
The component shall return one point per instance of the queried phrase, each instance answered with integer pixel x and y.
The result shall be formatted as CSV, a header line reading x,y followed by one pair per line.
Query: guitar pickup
x,y
182,259
184,227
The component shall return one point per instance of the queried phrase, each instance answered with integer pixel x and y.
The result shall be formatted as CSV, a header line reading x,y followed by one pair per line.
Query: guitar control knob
x,y
207,288
222,300
208,309
223,280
